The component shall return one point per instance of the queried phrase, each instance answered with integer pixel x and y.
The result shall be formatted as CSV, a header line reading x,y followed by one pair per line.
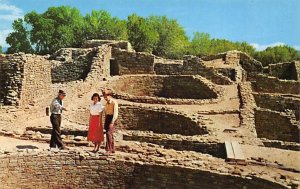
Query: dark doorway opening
x,y
114,67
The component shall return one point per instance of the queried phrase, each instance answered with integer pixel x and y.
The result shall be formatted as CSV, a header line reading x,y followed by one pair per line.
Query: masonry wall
x,y
12,67
100,67
69,170
36,83
269,84
73,170
214,148
70,64
276,125
193,65
3,68
250,65
132,62
232,65
26,79
284,70
115,44
158,121
297,67
187,87
278,103
168,69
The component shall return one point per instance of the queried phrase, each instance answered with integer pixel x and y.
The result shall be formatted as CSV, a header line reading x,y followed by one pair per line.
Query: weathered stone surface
x,y
166,89
276,125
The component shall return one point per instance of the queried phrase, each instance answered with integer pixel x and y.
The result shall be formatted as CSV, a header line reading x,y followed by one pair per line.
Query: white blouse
x,y
95,109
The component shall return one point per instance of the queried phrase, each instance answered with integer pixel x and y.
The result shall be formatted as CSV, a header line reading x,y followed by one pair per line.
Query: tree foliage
x,y
201,44
19,39
172,40
63,26
276,54
141,34
1,51
56,28
101,25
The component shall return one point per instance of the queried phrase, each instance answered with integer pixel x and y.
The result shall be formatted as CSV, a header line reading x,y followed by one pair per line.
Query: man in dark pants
x,y
111,115
56,109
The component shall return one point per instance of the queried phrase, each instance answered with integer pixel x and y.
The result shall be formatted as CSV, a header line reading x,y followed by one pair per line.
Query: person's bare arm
x,y
116,113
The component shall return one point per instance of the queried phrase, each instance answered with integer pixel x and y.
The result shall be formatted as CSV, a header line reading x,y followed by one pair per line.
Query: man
x,y
111,115
56,109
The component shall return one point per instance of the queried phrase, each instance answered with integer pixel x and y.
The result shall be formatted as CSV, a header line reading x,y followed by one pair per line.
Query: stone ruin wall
x,y
71,64
276,125
277,118
76,170
191,66
166,89
278,103
238,65
25,79
188,87
100,67
158,120
297,67
99,70
203,145
247,107
287,70
127,62
3,69
268,84
125,45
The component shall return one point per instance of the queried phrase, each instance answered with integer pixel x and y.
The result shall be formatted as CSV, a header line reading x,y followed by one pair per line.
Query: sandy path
x,y
15,144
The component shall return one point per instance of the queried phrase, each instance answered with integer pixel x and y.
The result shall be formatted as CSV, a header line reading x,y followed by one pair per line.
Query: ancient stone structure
x,y
166,89
158,121
24,78
175,118
286,70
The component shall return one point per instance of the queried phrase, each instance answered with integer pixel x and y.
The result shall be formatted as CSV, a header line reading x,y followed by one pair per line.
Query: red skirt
x,y
95,133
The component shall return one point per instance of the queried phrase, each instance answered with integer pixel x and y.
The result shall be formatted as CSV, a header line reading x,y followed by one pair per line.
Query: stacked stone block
x,y
277,125
128,62
268,84
285,70
158,120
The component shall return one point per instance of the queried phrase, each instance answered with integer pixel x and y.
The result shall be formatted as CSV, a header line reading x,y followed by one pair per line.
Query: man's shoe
x,y
64,148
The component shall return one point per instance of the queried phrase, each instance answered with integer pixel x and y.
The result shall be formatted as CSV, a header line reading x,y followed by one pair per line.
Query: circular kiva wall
x,y
159,121
71,170
165,89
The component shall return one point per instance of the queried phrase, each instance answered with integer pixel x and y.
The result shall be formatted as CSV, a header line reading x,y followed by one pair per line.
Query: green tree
x,y
19,39
246,47
200,44
277,54
101,25
141,34
172,42
56,28
1,51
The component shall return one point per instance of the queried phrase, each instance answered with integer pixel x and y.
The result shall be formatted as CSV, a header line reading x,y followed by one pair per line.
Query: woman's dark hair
x,y
97,95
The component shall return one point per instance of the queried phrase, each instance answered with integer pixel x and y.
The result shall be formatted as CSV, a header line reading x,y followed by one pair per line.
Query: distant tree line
x,y
64,26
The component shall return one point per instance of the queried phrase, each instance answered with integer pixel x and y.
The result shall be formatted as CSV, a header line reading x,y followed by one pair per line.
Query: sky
x,y
262,23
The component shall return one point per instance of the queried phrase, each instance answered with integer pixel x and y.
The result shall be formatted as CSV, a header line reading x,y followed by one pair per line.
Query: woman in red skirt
x,y
95,133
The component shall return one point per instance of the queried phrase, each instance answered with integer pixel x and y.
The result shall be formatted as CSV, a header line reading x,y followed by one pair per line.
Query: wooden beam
x,y
229,151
